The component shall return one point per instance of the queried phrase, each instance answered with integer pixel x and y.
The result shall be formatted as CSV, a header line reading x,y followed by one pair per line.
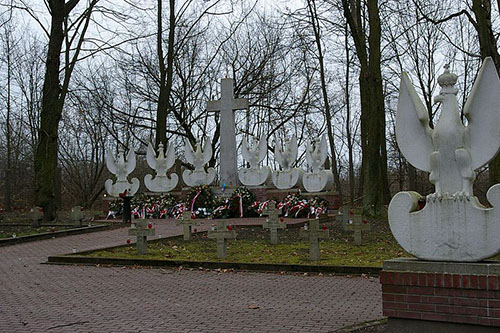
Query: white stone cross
x,y
273,222
187,223
344,217
36,215
77,216
358,225
222,233
226,105
314,233
142,231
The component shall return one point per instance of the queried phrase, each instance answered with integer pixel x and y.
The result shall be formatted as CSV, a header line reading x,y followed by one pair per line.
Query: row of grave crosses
x,y
285,153
222,232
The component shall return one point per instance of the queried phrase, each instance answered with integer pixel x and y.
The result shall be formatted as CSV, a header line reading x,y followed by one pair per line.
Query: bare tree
x,y
54,94
374,163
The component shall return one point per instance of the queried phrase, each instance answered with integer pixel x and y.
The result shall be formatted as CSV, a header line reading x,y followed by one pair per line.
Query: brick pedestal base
x,y
435,296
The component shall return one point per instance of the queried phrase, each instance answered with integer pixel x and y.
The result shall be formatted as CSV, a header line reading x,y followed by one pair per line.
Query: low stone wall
x,y
441,292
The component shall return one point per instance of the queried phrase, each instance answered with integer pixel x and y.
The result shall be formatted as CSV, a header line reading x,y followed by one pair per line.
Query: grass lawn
x,y
252,245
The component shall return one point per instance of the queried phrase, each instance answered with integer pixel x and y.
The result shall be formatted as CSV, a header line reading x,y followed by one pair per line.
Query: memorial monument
x,y
121,168
286,155
160,162
198,158
255,175
318,179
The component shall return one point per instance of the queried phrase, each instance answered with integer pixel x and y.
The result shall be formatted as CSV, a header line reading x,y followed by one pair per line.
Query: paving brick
x,y
39,298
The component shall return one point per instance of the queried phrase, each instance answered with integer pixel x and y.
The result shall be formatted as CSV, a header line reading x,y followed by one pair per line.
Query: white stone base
x,y
447,229
119,187
195,178
254,177
319,181
284,180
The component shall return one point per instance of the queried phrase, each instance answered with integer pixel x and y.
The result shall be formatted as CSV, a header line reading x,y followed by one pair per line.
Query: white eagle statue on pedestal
x,y
198,158
453,225
121,168
161,163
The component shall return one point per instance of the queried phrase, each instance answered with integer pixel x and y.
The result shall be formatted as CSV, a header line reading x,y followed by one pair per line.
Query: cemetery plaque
x,y
187,223
222,233
273,222
142,230
314,233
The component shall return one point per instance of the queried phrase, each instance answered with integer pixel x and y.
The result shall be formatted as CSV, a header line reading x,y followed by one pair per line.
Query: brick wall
x,y
456,298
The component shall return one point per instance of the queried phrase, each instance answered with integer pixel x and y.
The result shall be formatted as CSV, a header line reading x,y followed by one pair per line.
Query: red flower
x,y
229,227
128,241
150,226
323,227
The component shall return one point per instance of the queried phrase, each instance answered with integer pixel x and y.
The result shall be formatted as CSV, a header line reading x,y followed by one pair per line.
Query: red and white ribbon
x,y
240,199
194,199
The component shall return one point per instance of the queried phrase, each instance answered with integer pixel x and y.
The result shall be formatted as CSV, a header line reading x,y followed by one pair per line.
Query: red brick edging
x,y
456,298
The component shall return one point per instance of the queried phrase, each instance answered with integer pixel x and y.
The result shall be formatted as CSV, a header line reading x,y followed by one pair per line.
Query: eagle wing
x,y
277,151
188,151
170,156
323,149
482,110
262,148
130,161
151,156
110,162
244,149
413,133
309,157
207,151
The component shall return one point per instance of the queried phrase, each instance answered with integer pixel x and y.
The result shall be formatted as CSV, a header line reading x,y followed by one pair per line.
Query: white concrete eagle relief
x,y
198,158
453,225
318,179
255,175
286,155
121,168
160,162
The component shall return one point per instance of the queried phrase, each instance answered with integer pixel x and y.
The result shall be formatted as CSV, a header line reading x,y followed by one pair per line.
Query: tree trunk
x,y
8,134
52,105
316,29
488,48
374,161
166,73
352,184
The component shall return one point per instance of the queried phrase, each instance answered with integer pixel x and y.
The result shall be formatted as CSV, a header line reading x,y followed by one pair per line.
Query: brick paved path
x,y
48,298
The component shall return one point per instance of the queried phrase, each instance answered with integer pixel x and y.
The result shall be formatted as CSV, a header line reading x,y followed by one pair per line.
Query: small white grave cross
x,y
77,216
345,216
221,233
273,222
142,231
187,223
314,233
358,225
226,105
